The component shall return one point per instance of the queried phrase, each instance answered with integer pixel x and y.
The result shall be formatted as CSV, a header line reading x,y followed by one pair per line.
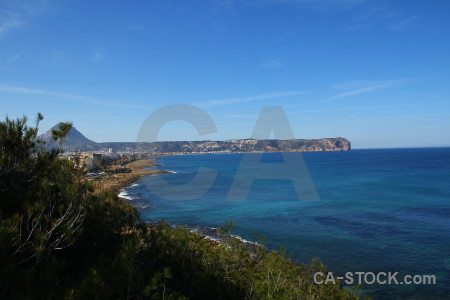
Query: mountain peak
x,y
74,139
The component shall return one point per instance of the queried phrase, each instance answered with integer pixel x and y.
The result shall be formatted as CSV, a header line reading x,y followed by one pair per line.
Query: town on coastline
x,y
114,158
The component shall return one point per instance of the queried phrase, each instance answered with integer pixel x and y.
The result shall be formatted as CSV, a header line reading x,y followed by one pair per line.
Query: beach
x,y
139,169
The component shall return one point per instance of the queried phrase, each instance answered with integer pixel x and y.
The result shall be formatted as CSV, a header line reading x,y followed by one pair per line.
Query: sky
x,y
376,72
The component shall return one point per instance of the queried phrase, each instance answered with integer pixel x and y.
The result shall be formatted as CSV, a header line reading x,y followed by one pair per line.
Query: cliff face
x,y
77,141
233,146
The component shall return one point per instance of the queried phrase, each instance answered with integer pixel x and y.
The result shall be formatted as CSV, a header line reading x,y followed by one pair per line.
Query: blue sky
x,y
375,72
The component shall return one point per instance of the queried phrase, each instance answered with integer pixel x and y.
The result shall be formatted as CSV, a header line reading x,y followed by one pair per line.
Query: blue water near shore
x,y
380,210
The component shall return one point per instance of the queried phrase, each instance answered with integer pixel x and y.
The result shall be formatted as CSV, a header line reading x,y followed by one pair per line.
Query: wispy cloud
x,y
16,13
400,118
359,27
273,63
7,24
402,24
135,27
359,84
366,107
382,16
248,99
354,87
415,117
242,116
346,108
13,58
359,91
98,56
285,36
89,100
316,6
325,6
233,123
52,58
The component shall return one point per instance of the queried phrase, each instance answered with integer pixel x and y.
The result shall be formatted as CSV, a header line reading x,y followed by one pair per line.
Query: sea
x,y
376,210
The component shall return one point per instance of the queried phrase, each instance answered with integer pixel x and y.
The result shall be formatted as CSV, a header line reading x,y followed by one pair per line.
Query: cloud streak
x,y
13,58
7,23
273,63
89,100
403,24
325,6
358,91
15,13
213,103
98,57
382,17
243,116
364,107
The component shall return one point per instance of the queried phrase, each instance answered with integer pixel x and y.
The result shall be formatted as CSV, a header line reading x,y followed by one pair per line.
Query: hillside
x,y
234,146
77,141
63,237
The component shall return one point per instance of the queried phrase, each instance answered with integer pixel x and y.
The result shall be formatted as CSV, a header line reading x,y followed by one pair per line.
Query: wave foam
x,y
124,194
210,233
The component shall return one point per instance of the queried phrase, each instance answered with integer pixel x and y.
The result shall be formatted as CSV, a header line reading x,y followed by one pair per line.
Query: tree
x,y
40,195
60,239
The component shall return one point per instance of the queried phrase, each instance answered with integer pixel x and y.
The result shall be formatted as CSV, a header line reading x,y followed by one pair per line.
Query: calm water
x,y
379,210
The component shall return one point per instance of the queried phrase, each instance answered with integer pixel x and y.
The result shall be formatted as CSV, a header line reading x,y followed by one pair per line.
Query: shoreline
x,y
118,182
139,168
248,152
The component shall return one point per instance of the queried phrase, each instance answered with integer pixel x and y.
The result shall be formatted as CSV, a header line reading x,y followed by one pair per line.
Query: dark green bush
x,y
60,239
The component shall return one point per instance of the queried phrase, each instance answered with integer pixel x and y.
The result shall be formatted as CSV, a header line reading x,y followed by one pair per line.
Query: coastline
x,y
139,168
117,182
247,152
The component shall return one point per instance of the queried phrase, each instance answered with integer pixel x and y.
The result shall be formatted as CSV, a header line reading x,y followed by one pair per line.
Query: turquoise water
x,y
379,211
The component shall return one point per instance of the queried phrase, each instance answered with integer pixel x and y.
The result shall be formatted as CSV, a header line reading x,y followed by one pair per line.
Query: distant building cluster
x,y
103,162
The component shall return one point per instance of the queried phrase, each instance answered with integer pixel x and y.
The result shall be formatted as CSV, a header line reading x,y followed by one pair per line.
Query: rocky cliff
x,y
231,146
77,141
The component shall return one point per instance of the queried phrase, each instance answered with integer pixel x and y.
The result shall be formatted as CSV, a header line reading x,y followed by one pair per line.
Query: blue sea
x,y
380,210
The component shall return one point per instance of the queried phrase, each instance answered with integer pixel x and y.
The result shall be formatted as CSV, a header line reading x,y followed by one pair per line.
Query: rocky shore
x,y
139,169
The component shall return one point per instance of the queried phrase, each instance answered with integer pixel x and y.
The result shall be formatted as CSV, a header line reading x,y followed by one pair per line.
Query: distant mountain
x,y
235,146
77,141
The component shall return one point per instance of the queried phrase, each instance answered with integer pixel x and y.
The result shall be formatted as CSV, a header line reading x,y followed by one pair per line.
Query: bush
x,y
60,239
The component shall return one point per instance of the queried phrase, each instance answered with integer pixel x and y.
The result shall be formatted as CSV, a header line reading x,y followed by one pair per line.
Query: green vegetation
x,y
60,240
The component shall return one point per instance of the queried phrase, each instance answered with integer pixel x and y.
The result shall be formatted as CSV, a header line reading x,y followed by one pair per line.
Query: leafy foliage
x,y
61,240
